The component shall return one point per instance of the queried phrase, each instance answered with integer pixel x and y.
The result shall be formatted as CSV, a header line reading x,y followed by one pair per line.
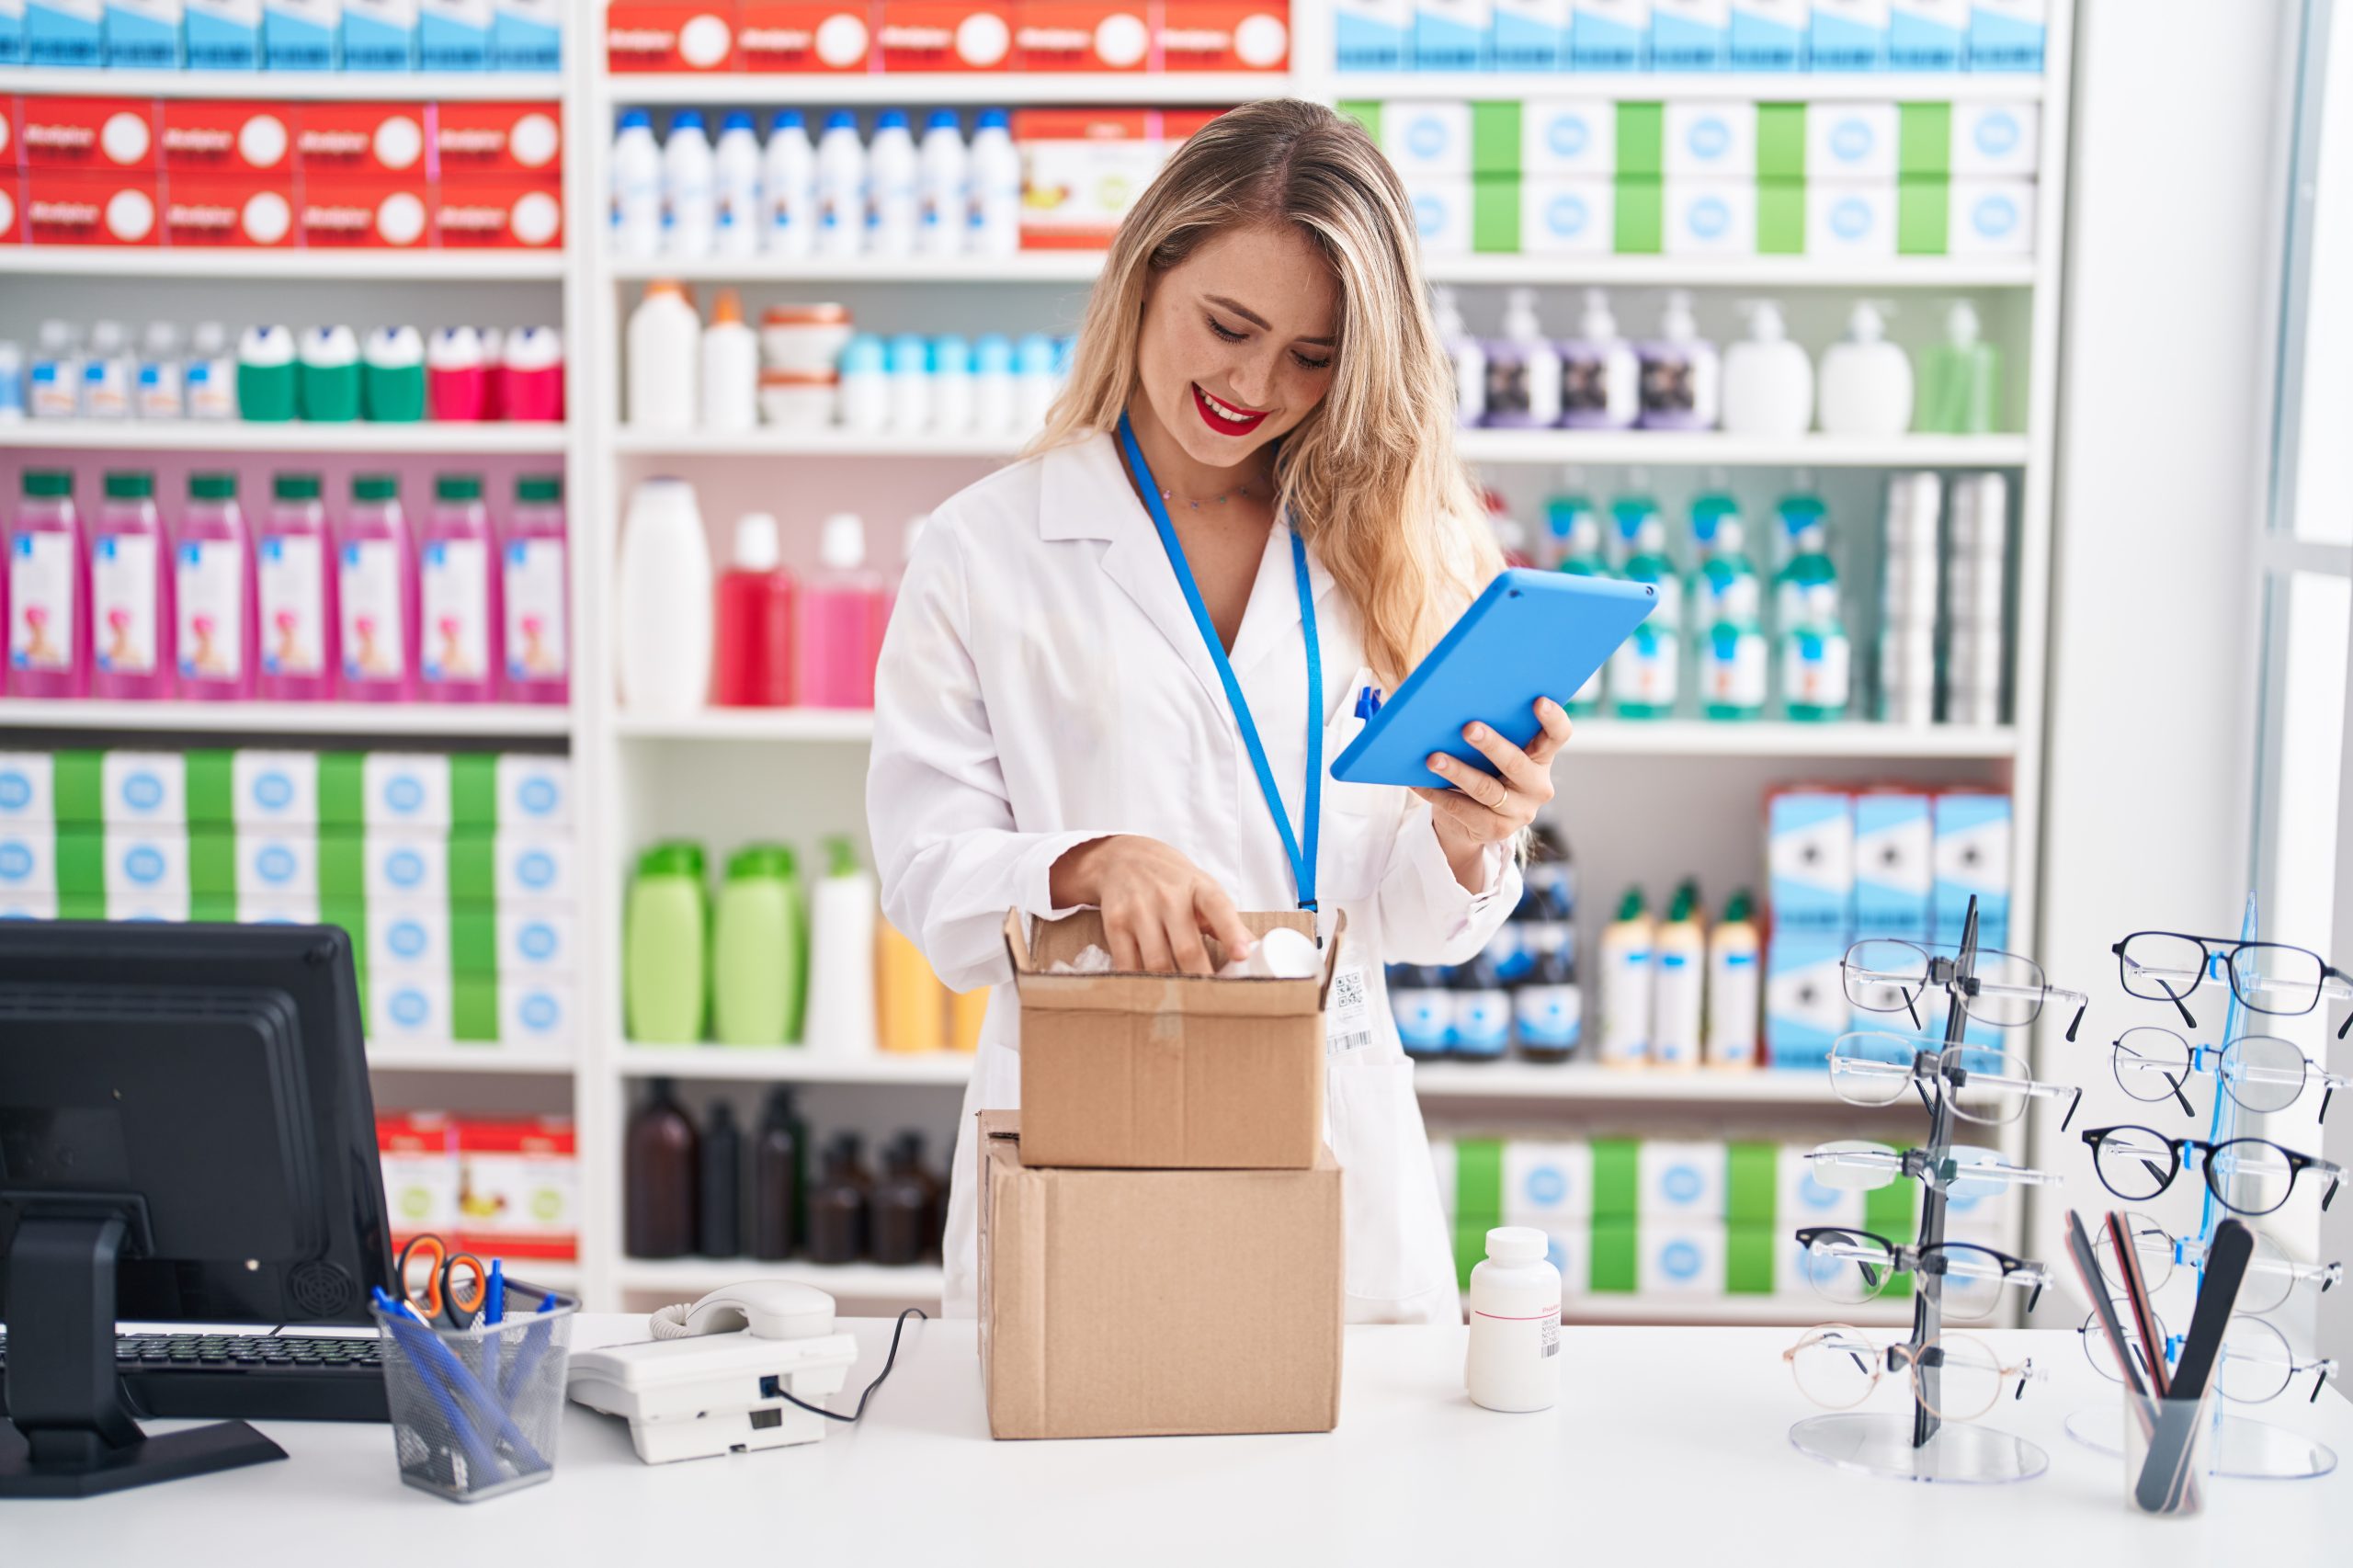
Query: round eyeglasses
x,y
1956,1376
2262,1073
2246,1175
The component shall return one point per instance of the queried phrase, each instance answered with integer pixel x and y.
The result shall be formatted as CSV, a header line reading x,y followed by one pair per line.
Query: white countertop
x,y
1669,1446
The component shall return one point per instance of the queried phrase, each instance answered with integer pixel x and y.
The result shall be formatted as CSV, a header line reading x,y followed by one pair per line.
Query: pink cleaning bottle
x,y
212,594
532,582
130,593
376,594
457,596
295,574
49,591
841,621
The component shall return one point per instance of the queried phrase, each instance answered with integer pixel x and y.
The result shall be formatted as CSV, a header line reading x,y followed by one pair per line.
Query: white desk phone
x,y
724,1374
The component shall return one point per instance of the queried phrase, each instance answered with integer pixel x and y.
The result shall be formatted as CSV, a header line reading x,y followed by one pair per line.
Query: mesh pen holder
x,y
475,1411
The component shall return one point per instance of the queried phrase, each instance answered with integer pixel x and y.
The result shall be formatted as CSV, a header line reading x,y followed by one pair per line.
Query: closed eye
x,y
1223,331
1228,334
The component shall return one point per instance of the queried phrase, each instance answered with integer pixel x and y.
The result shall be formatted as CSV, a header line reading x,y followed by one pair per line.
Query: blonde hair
x,y
1370,477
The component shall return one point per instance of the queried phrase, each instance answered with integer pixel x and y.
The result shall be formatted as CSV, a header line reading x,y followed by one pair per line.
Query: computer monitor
x,y
186,1134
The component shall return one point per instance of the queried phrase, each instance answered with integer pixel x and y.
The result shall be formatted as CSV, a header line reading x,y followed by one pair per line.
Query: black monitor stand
x,y
73,1434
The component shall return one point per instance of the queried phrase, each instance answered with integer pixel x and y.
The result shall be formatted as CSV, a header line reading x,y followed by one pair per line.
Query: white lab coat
x,y
1042,684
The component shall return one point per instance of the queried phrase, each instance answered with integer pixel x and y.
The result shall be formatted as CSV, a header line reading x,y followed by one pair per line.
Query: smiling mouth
x,y
1224,417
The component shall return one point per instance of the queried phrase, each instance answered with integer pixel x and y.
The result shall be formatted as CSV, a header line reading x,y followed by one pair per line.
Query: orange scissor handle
x,y
435,1253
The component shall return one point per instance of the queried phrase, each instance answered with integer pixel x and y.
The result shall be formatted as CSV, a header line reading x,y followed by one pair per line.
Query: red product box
x,y
516,138
499,213
666,35
364,212
518,1189
374,139
234,208
1081,170
12,209
70,206
1077,35
225,135
938,35
1177,124
804,35
418,1151
86,133
8,117
1223,35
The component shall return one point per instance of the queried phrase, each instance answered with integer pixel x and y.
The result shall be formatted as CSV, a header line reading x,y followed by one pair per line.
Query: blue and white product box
x,y
380,35
1848,35
1710,217
1800,1198
534,865
12,52
299,34
533,1010
526,35
1894,865
1427,138
1927,35
143,862
408,1007
1372,35
1850,141
1690,35
1570,1249
1679,1179
2007,35
536,937
1568,136
274,789
28,905
1854,219
143,35
405,864
1996,139
279,862
1769,35
453,35
1991,217
404,790
1577,216
1610,35
276,909
224,35
1805,999
1529,34
27,859
27,789
1706,137
534,791
1973,858
1547,1185
1441,213
1680,1257
147,788
1810,857
1451,35
64,32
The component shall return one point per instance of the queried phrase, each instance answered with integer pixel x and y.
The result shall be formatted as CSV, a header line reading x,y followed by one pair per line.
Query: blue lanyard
x,y
1302,864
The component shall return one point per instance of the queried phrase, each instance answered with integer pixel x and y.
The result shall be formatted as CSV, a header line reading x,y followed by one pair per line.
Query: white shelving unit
x,y
452,438
422,265
428,720
314,86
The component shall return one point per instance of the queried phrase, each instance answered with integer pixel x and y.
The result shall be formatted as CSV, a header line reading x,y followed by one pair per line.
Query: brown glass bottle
x,y
779,1180
838,1206
902,1204
660,1178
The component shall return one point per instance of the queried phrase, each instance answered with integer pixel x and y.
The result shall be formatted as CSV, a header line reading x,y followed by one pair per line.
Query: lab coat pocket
x,y
1398,1260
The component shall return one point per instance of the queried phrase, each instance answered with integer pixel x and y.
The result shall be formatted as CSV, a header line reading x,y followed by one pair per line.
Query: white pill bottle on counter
x,y
1514,1362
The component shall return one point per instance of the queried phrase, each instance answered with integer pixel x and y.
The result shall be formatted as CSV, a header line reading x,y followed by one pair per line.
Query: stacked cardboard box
x,y
1160,1224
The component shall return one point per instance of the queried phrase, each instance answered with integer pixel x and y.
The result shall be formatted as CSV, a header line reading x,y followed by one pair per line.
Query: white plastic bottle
x,y
1768,380
162,391
12,383
665,338
993,392
1034,381
841,957
1514,1360
689,201
1469,359
55,391
1733,983
996,187
841,187
108,372
666,601
1523,369
893,202
736,173
1679,968
1682,384
865,385
952,386
944,186
1626,945
789,188
634,210
910,362
1600,378
730,368
211,373
1866,380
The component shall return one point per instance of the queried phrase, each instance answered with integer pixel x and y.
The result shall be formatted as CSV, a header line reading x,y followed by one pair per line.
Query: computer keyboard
x,y
247,1377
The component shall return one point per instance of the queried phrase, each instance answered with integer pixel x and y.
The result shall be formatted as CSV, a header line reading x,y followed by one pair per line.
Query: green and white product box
x,y
414,789
464,866
531,940
418,1008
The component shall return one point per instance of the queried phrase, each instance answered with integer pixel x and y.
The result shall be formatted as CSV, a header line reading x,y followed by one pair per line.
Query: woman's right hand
x,y
1156,904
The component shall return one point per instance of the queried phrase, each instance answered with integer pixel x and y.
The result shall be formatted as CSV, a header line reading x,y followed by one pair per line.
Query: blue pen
x,y
427,1345
535,1344
478,1453
493,1294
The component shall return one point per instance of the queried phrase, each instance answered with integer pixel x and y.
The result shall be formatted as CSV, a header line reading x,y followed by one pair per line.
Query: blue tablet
x,y
1530,634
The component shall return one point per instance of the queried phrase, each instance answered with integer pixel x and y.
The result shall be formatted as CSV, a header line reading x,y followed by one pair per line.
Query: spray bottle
x,y
1732,986
1728,605
1680,962
1626,948
1645,672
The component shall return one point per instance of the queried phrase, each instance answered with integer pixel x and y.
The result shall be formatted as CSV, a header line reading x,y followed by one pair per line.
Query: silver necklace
x,y
1241,491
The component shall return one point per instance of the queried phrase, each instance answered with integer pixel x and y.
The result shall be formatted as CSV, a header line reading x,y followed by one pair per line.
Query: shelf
x,y
1537,1081
1742,271
1025,267
374,87
1645,86
907,89
866,1282
1795,1312
811,444
749,725
424,719
455,1058
268,266
790,1064
454,439
1675,449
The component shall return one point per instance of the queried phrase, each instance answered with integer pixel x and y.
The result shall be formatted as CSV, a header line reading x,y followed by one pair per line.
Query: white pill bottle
x,y
1514,1362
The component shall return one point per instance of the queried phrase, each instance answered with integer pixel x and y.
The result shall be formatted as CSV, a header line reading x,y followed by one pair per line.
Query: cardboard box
x,y
1850,217
1427,138
1851,141
300,35
669,35
1080,35
28,788
1167,1071
498,212
1895,878
1568,136
369,138
65,207
498,139
364,212
1572,215
225,135
64,32
1222,35
1810,857
91,134
1769,35
1711,137
236,210
947,35
1927,35
1081,170
453,35
804,35
1156,1303
1611,34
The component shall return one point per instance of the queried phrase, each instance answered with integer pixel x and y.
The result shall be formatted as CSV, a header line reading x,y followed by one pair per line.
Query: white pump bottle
x,y
1768,380
1866,380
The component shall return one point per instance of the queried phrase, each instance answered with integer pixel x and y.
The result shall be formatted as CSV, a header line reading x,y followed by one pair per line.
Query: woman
x,y
1053,727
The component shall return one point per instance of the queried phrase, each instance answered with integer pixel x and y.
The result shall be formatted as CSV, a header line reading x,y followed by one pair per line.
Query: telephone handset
x,y
766,1309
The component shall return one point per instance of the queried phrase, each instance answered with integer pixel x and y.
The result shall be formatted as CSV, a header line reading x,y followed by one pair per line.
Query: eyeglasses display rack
x,y
2240,1447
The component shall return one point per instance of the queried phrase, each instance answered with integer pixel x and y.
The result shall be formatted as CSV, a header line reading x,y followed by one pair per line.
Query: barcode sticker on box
x,y
1347,1012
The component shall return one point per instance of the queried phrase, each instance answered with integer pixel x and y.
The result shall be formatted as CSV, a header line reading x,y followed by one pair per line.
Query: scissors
x,y
448,1292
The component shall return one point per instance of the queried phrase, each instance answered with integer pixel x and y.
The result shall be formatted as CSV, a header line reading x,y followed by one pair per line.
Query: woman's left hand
x,y
1483,808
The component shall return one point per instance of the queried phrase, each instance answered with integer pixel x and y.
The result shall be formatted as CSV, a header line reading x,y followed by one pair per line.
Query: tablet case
x,y
1529,635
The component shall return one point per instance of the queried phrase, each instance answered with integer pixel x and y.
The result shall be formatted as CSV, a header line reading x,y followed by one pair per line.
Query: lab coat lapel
x,y
1272,614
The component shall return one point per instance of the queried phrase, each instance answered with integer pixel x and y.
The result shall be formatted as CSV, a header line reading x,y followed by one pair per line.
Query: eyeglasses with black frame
x,y
1883,974
1984,1086
2263,1072
2246,1175
1851,1267
2267,977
